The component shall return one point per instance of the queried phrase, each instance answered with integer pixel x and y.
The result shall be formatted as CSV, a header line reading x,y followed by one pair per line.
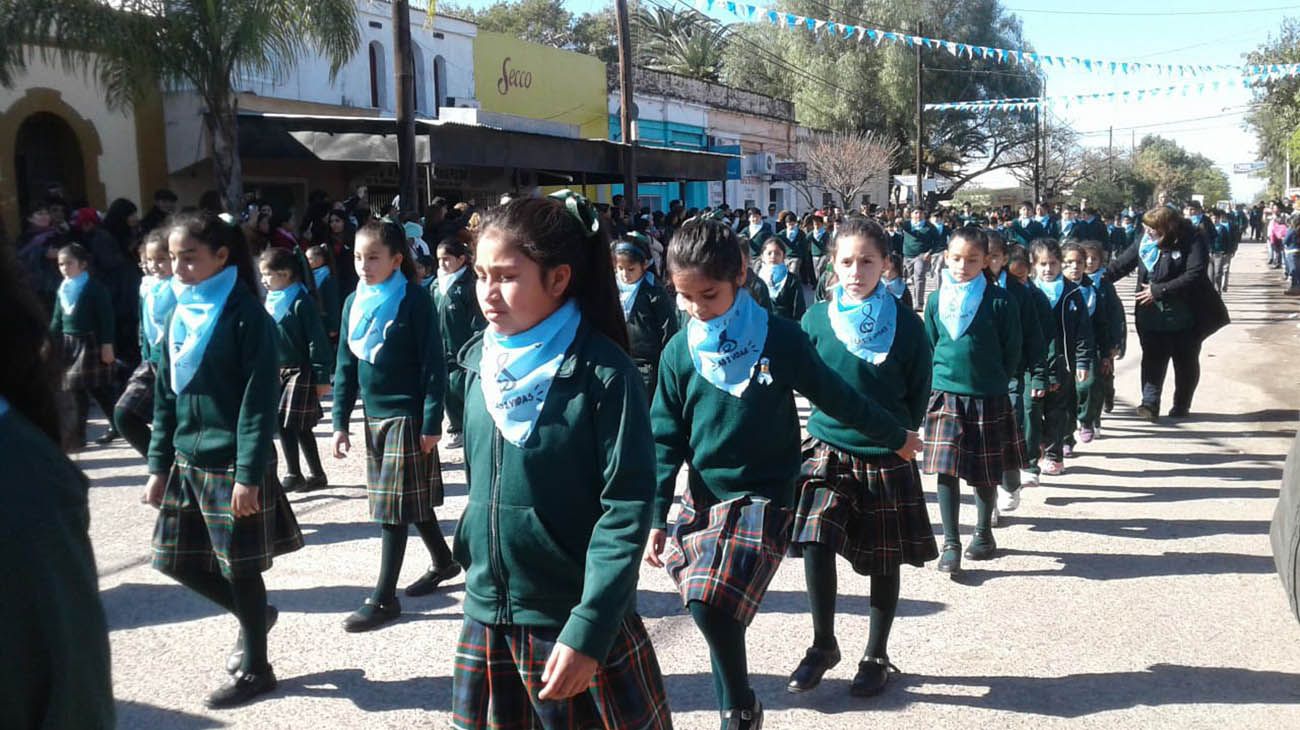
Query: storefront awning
x,y
374,139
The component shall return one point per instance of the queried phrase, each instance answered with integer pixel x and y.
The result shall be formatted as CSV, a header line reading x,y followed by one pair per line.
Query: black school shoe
x,y
429,582
982,546
314,482
950,559
1149,412
109,437
242,688
237,654
1179,412
292,483
873,675
748,718
372,615
810,671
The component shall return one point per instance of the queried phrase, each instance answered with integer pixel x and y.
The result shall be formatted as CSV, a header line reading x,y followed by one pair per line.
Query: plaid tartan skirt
x,y
870,510
403,485
299,405
197,532
82,368
972,438
498,674
137,399
725,556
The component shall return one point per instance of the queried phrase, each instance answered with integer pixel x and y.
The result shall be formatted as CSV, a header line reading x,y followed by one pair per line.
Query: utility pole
x,y
1110,153
1045,158
920,123
625,107
1038,158
404,72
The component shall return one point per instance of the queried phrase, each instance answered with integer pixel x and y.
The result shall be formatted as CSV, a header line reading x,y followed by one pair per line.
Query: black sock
x,y
289,444
431,534
250,608
884,605
211,586
726,639
986,498
106,398
950,509
390,562
819,575
307,440
134,429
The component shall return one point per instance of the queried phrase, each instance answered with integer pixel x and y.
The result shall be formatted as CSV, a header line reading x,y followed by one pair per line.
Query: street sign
x,y
1242,168
790,171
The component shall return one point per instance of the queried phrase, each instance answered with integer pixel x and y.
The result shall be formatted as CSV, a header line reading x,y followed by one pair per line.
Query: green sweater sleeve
x,y
829,392
425,322
162,449
1084,344
665,310
1115,315
256,428
346,384
612,567
313,333
918,380
671,439
103,313
1034,344
1009,331
56,319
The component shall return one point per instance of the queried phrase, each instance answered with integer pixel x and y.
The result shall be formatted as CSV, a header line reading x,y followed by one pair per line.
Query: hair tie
x,y
625,248
581,209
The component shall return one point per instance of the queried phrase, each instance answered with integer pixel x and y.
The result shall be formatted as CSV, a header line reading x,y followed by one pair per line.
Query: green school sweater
x,y
93,315
56,672
1101,337
794,248
409,375
819,246
919,240
983,360
226,417
900,384
301,341
790,302
1071,346
1026,233
553,532
330,305
1033,345
653,322
1113,310
750,445
459,317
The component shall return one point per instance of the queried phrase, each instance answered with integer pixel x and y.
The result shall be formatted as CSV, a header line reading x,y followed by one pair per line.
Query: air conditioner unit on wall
x,y
758,164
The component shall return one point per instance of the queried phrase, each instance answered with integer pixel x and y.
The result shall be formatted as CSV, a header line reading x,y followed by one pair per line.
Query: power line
x,y
1165,123
1148,13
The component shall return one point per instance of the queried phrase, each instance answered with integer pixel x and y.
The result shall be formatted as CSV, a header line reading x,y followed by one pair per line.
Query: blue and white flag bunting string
x,y
1103,96
1015,57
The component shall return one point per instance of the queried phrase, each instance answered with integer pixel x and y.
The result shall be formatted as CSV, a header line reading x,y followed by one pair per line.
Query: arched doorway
x,y
47,152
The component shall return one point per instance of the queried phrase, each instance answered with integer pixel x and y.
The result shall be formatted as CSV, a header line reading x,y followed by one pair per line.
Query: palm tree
x,y
687,43
137,47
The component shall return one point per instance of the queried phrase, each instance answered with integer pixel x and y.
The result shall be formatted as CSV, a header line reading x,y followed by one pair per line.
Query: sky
x,y
1189,31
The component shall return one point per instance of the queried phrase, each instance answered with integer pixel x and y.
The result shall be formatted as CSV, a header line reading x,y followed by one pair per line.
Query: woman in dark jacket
x,y
117,263
1177,307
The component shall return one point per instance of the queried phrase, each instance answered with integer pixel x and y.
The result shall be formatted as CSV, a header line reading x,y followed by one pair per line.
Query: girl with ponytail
x,y
551,563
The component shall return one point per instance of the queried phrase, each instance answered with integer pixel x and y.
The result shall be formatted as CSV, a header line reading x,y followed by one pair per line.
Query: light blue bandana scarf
x,y
70,292
726,348
445,281
159,297
627,295
896,286
1149,252
373,311
1002,279
278,302
775,277
517,370
866,328
1052,289
1090,298
198,307
959,301
322,274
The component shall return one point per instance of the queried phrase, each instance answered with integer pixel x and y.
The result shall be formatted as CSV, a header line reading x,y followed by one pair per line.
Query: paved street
x,y
1136,591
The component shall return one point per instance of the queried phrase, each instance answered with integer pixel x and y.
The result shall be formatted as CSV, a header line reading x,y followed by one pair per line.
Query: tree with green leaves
x,y
1275,116
547,22
135,48
1169,168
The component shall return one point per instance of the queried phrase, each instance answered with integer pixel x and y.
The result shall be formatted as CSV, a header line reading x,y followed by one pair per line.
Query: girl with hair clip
x,y
650,313
323,273
82,327
551,636
857,498
970,432
222,516
1070,348
305,356
459,318
731,375
392,360
133,413
56,670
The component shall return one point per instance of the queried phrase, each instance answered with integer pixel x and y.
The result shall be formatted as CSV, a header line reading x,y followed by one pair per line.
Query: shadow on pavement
x,y
138,716
1206,458
1143,528
1070,696
1090,566
330,533
1271,474
416,693
1157,494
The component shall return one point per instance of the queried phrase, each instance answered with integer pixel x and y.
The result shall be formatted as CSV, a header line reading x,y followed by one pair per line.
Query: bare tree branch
x,y
846,162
